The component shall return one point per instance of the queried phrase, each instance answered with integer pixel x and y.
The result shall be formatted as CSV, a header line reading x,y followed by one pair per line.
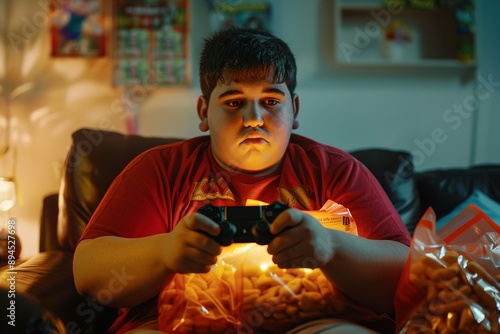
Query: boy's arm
x,y
367,271
120,272
123,272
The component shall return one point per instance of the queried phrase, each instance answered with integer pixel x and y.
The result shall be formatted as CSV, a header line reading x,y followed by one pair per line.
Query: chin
x,y
255,168
251,164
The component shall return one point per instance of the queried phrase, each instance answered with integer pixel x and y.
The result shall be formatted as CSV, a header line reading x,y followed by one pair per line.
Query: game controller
x,y
243,224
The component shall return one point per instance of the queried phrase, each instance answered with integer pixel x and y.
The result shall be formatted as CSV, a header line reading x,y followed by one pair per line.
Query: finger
x,y
187,258
285,240
199,222
203,258
286,219
205,243
284,253
294,255
289,251
193,266
297,262
200,254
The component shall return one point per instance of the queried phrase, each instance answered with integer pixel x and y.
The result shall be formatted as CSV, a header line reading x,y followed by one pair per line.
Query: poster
x,y
77,28
150,42
255,14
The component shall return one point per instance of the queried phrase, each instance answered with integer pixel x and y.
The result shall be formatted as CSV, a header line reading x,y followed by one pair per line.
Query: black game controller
x,y
242,224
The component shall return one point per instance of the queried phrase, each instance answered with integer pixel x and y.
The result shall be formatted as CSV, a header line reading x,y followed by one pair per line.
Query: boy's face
x,y
250,124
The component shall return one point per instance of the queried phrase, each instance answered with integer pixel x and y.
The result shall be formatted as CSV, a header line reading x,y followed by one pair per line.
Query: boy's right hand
x,y
189,248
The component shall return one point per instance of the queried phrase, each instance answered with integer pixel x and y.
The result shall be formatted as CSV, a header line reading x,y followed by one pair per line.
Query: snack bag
x,y
246,293
472,231
444,288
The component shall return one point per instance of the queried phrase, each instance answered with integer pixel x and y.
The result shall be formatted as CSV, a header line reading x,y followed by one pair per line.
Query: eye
x,y
233,103
271,102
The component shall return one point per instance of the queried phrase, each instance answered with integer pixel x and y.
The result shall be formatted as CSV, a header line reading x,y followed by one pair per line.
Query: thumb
x,y
287,219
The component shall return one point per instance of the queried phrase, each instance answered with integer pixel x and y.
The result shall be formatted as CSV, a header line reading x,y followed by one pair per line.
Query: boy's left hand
x,y
301,241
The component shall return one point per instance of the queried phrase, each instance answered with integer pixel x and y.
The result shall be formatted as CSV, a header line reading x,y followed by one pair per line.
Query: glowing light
x,y
32,57
38,114
264,266
7,194
181,321
80,91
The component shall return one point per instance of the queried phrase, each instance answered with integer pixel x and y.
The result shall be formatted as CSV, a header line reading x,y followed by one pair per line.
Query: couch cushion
x,y
96,157
444,189
27,315
395,172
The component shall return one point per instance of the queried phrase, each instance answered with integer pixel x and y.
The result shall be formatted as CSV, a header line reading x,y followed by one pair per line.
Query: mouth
x,y
254,138
254,141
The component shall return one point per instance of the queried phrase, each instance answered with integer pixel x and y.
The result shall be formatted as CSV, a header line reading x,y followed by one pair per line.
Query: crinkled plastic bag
x,y
449,287
246,293
472,231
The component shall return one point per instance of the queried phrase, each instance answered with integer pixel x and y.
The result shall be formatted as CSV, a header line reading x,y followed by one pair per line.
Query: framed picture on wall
x,y
255,14
150,39
77,28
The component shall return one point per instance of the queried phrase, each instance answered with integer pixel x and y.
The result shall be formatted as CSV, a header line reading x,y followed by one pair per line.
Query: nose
x,y
253,116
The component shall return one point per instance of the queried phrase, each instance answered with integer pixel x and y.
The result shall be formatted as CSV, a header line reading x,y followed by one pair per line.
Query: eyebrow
x,y
232,92
275,90
229,93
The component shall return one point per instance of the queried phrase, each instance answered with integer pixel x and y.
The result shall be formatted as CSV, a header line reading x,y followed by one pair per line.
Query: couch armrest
x,y
47,279
25,315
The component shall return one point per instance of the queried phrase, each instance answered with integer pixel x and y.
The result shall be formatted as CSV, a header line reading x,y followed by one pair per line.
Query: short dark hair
x,y
236,54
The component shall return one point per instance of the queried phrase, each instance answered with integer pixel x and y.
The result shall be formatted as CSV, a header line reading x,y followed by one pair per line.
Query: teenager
x,y
147,228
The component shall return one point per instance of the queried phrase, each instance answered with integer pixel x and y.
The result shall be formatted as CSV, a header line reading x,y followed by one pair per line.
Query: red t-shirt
x,y
162,185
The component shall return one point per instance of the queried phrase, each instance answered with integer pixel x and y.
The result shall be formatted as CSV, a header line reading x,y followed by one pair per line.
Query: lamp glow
x,y
10,245
7,194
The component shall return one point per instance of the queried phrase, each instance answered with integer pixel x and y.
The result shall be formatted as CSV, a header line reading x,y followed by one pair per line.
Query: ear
x,y
202,109
296,105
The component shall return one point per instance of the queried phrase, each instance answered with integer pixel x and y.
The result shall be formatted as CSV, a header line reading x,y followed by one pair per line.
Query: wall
x,y
348,109
356,109
56,97
487,142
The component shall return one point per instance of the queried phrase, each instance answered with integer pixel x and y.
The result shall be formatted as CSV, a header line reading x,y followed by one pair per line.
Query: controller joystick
x,y
227,230
227,233
261,232
243,224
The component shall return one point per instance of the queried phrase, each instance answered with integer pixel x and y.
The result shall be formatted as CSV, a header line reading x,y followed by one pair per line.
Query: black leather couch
x,y
96,157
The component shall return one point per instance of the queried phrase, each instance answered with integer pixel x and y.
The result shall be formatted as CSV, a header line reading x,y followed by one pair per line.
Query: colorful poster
x,y
150,42
254,14
77,28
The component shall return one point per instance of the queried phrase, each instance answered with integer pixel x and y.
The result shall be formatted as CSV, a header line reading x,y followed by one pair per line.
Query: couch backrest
x,y
395,172
96,157
445,189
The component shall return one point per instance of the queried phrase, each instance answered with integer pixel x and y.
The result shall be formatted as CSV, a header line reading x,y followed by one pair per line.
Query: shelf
x,y
424,63
430,37
359,4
